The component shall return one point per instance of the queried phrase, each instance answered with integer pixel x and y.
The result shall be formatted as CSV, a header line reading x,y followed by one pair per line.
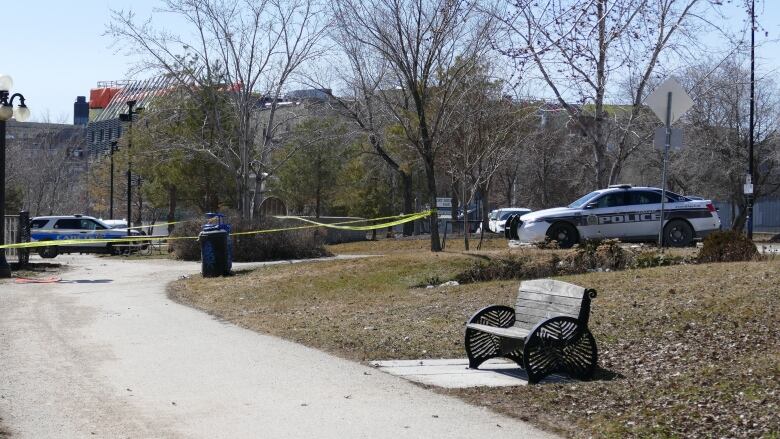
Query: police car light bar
x,y
620,186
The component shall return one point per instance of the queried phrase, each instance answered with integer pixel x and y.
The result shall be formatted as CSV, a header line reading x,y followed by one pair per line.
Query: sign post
x,y
663,168
669,110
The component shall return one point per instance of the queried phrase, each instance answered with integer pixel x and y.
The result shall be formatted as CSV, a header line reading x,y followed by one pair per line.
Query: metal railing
x,y
17,230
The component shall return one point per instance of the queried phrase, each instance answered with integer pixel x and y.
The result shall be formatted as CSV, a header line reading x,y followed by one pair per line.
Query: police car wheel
x,y
48,252
513,232
678,233
563,233
508,227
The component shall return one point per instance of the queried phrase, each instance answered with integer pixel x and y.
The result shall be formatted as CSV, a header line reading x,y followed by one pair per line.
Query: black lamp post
x,y
114,148
21,113
131,111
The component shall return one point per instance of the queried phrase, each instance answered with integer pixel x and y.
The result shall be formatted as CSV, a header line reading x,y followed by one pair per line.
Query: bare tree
x,y
240,52
362,75
486,128
582,50
46,165
419,40
715,159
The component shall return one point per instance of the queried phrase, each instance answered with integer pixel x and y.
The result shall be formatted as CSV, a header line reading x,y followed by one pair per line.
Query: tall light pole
x,y
131,111
752,110
21,113
114,148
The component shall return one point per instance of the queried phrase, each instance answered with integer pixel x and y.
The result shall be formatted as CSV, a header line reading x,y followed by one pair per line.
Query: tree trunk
x,y
738,222
171,208
430,177
485,207
465,215
406,181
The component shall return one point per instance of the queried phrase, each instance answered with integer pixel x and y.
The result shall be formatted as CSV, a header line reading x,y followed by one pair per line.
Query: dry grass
x,y
454,243
687,351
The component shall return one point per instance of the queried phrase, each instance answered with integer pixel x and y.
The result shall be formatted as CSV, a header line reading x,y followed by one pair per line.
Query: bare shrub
x,y
287,244
185,249
727,246
653,258
547,244
597,255
510,267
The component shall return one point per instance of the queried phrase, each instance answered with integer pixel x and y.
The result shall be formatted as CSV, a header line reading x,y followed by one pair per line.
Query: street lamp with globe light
x,y
21,114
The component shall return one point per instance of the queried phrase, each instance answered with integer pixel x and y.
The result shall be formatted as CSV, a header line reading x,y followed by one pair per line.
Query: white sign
x,y
675,140
444,202
748,188
658,100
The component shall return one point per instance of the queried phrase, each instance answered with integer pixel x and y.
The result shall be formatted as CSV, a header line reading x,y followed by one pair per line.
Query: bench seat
x,y
510,332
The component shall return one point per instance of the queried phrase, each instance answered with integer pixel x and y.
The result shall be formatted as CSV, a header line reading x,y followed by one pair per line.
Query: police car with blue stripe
x,y
621,211
86,228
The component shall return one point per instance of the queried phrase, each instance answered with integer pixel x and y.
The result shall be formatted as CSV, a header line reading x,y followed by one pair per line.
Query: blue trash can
x,y
216,249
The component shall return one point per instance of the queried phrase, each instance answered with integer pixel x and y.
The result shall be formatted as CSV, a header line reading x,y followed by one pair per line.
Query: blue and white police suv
x,y
621,211
86,228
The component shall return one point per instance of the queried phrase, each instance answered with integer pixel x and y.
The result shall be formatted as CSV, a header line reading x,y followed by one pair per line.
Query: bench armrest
x,y
500,316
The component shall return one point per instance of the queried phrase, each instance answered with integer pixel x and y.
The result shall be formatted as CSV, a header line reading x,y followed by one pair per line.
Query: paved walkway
x,y
108,355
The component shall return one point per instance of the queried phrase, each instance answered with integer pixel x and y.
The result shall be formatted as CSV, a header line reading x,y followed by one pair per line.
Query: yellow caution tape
x,y
400,219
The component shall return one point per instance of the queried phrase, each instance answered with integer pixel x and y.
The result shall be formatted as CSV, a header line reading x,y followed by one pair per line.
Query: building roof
x,y
142,92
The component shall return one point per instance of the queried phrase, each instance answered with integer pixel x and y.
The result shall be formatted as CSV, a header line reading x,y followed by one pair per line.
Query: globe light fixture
x,y
6,112
21,113
6,82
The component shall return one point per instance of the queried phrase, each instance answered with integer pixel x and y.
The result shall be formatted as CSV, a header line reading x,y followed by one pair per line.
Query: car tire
x,y
564,234
678,233
507,227
111,250
48,252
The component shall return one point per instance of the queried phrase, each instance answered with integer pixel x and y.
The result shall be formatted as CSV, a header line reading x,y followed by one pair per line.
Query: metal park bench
x,y
546,332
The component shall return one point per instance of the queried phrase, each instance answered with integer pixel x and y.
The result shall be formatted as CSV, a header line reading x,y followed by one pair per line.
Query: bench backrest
x,y
541,299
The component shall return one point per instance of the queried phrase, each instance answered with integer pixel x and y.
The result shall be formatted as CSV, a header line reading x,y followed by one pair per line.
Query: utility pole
x,y
751,177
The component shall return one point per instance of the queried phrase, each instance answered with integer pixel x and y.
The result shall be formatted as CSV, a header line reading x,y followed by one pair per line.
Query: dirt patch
x,y
685,351
40,269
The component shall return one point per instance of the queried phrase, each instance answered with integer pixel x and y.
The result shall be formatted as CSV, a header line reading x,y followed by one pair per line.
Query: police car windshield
x,y
581,201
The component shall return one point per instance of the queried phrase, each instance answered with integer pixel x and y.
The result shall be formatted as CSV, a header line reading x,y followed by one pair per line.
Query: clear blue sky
x,y
55,49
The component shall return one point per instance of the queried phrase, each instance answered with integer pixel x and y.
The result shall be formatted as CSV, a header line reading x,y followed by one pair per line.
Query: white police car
x,y
623,212
497,218
53,228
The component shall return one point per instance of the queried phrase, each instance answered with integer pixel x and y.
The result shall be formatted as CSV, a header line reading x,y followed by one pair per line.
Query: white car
x,y
52,228
624,212
497,218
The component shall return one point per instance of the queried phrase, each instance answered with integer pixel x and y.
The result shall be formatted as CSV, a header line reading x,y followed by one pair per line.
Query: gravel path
x,y
106,354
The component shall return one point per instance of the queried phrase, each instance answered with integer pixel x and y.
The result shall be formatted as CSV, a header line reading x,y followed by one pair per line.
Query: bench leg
x,y
481,346
559,344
